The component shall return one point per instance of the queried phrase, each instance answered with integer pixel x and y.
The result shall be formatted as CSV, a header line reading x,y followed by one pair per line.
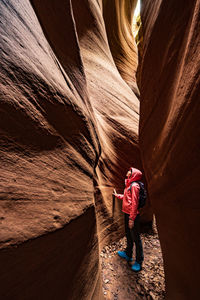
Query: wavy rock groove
x,y
69,131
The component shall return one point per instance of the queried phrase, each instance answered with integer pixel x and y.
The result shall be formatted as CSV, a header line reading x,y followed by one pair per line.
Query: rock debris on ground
x,y
121,283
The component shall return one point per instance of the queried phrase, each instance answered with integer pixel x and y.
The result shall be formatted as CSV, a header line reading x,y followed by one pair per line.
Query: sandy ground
x,y
121,283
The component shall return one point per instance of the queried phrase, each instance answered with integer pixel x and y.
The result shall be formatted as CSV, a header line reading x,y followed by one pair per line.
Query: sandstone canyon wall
x,y
118,17
69,131
169,83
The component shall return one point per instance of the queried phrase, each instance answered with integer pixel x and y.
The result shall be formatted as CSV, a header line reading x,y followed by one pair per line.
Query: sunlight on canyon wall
x,y
69,131
118,17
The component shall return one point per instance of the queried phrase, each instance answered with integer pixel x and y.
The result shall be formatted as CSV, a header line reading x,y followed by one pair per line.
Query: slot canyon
x,y
81,103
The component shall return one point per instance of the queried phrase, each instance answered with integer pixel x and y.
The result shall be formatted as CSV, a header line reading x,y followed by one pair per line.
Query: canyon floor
x,y
121,283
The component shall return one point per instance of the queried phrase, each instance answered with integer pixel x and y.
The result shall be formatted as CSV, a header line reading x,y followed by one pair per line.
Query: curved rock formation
x,y
118,17
69,131
169,135
49,149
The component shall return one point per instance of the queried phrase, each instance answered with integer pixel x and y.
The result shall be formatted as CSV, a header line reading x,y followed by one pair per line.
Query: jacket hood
x,y
135,176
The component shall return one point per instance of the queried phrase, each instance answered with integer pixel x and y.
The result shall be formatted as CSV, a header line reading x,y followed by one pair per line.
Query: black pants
x,y
133,236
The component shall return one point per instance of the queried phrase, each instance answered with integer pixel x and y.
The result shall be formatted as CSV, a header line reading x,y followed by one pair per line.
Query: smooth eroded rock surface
x,y
69,131
118,16
169,135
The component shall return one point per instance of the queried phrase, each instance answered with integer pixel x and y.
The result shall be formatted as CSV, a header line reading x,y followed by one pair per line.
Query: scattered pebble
x,y
124,284
106,281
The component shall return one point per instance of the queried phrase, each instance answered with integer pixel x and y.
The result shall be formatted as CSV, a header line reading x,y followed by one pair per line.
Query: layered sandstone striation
x,y
118,17
169,135
69,131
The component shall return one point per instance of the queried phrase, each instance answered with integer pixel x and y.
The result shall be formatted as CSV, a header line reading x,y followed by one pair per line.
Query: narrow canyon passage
x,y
119,281
79,105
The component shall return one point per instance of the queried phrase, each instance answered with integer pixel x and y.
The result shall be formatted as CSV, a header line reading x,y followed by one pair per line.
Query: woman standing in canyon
x,y
130,207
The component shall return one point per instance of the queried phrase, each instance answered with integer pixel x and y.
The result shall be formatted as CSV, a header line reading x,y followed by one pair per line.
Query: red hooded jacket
x,y
131,198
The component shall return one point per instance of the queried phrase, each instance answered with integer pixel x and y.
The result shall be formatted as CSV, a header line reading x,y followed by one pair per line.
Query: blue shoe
x,y
136,267
124,255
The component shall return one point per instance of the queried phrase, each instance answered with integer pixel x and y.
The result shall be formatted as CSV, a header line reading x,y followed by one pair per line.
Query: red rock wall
x,y
169,135
69,131
49,149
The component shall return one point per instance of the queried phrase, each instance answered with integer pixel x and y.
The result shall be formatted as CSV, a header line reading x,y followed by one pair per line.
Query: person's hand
x,y
114,192
130,223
